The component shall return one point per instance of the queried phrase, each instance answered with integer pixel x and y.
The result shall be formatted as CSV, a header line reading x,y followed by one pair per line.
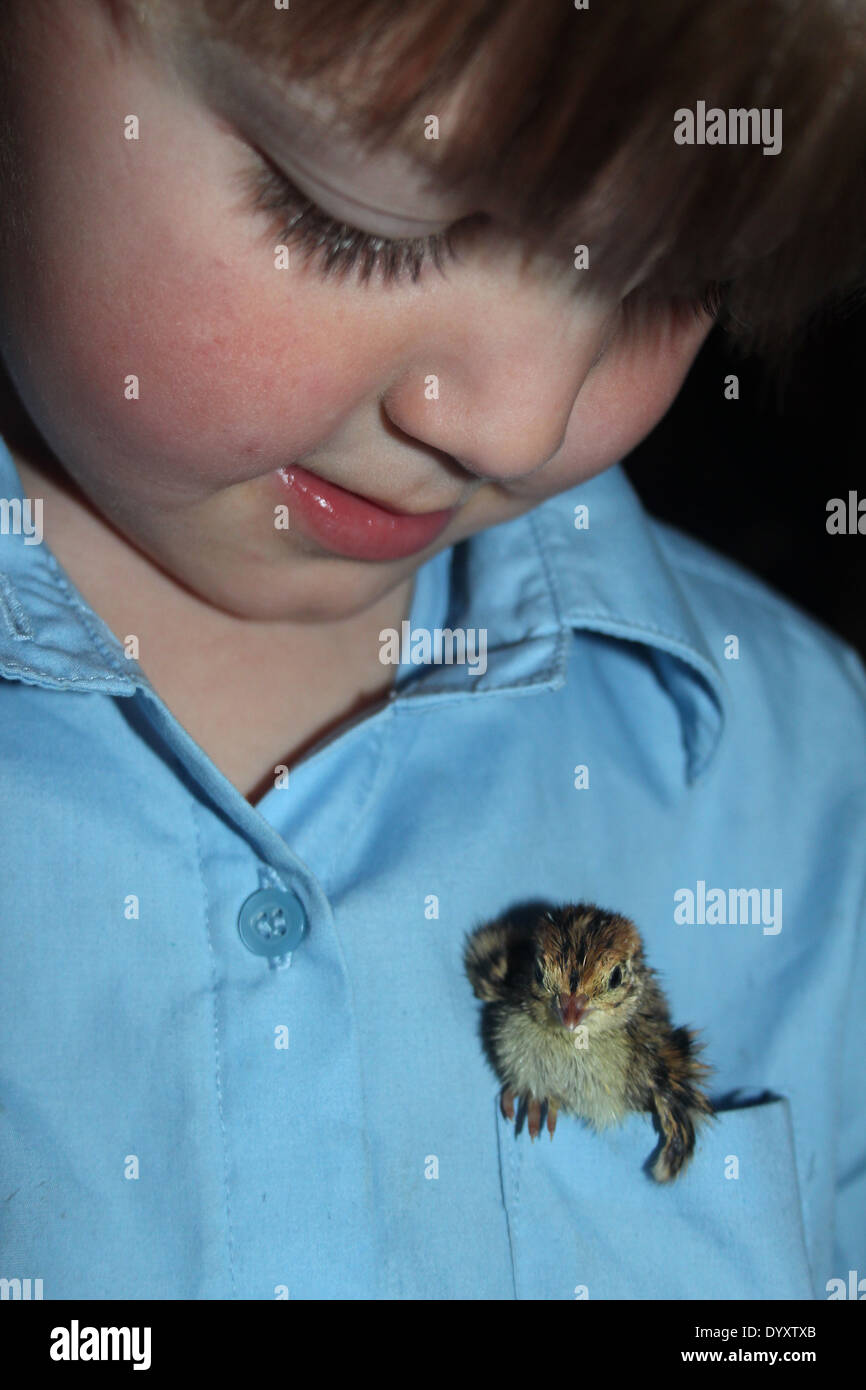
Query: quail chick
x,y
575,1019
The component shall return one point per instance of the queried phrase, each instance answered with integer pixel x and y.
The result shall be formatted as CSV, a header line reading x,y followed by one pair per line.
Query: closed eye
x,y
337,247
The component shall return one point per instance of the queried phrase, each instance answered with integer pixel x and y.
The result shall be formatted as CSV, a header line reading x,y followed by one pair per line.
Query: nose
x,y
493,367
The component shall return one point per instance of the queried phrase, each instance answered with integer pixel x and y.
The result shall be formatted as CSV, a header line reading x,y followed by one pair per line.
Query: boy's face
x,y
142,257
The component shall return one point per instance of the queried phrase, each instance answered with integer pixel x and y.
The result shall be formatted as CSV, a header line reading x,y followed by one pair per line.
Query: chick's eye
x,y
615,979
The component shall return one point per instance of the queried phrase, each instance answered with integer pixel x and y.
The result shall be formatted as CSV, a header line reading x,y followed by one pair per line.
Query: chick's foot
x,y
530,1108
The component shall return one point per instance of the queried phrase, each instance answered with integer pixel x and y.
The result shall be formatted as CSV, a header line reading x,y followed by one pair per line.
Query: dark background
x,y
753,477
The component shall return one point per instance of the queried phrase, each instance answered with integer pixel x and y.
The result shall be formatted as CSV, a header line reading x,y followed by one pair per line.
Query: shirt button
x,y
272,922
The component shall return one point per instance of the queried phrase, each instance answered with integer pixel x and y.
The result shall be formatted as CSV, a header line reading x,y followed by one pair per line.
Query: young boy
x,y
331,628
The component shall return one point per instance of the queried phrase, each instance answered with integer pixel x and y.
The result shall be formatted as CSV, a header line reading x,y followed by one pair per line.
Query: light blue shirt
x,y
182,1117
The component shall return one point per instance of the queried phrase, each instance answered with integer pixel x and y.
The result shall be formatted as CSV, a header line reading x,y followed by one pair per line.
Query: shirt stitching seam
x,y
42,676
14,614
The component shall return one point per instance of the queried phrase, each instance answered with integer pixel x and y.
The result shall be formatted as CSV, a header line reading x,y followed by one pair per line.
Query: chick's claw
x,y
529,1108
534,1114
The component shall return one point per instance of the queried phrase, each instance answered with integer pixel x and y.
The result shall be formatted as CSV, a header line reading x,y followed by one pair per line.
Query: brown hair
x,y
573,114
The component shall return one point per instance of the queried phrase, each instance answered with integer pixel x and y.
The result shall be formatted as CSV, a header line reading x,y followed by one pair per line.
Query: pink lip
x,y
353,526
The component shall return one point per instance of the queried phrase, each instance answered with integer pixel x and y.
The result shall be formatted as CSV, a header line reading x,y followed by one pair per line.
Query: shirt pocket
x,y
586,1221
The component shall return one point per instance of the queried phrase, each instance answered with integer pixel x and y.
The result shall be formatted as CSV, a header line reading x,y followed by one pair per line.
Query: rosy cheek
x,y
629,392
201,379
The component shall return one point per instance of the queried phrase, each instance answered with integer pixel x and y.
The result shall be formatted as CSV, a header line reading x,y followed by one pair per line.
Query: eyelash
x,y
334,247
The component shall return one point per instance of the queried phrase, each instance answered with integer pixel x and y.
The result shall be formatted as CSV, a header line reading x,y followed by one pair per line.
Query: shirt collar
x,y
589,558
527,584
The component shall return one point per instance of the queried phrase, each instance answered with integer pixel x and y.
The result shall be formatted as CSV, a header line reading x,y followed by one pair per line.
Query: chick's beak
x,y
571,1009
